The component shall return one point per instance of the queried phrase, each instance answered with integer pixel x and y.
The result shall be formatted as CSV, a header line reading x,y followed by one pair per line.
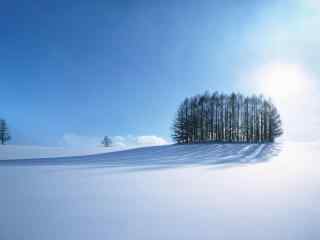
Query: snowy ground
x,y
8,152
168,192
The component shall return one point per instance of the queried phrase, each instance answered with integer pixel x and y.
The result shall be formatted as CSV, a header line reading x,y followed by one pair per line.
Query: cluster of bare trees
x,y
4,132
226,118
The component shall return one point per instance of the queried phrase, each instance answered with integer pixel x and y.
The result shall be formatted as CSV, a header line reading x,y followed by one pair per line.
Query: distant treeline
x,y
226,118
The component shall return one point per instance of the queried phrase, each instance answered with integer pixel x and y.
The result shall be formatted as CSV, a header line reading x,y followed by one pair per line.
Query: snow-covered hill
x,y
157,156
168,192
8,152
78,148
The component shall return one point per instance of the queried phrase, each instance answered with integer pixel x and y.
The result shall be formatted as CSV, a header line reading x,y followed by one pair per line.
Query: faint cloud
x,y
150,140
75,140
132,141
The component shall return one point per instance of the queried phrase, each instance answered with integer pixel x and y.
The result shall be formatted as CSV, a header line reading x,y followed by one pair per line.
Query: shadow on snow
x,y
164,157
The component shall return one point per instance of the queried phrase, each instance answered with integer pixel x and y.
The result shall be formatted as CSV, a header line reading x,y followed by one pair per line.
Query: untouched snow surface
x,y
169,192
8,152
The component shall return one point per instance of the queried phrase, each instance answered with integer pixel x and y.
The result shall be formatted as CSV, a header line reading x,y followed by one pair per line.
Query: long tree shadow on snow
x,y
160,157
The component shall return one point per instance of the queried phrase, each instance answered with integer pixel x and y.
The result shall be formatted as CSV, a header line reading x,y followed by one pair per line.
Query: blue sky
x,y
119,68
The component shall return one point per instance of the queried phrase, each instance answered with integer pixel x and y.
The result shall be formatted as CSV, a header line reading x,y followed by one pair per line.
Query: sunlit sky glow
x,y
91,68
283,82
293,89
289,73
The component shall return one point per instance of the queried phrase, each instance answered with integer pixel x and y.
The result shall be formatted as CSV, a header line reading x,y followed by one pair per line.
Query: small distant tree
x,y
4,132
106,141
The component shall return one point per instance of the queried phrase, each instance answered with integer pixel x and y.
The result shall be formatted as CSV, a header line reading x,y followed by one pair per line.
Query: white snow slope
x,y
169,192
8,152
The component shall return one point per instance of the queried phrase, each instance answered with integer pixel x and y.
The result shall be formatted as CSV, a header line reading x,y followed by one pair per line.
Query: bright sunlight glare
x,y
283,82
292,88
315,4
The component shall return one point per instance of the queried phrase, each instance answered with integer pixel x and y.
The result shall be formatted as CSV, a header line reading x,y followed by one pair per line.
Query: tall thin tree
x,y
4,132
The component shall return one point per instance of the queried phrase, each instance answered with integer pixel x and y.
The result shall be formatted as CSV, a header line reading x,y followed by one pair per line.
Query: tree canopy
x,y
230,118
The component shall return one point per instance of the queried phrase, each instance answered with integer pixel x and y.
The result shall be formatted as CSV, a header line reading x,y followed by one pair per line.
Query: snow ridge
x,y
166,156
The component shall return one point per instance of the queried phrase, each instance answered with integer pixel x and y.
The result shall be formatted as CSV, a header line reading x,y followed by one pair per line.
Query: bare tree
x,y
107,142
4,132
